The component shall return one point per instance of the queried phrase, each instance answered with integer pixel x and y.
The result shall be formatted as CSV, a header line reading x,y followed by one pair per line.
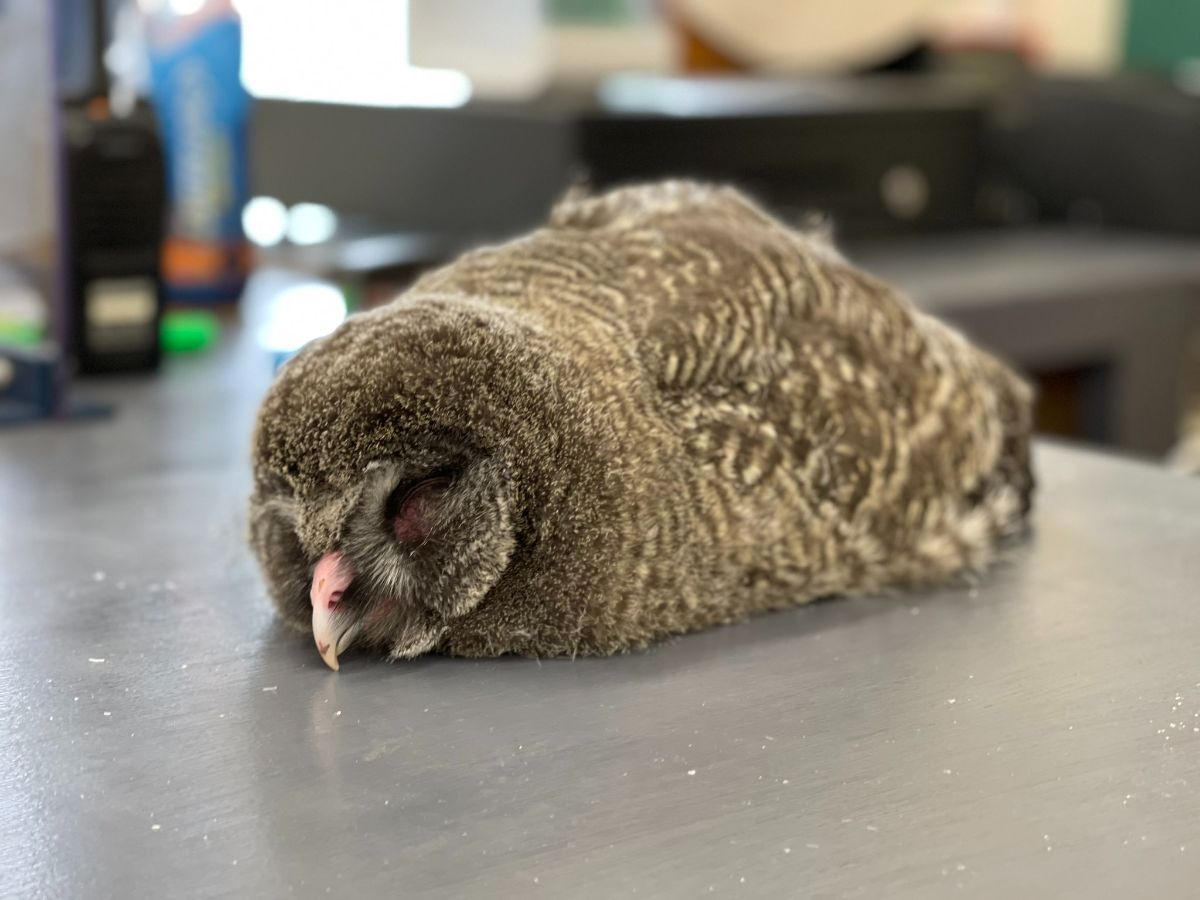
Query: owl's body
x,y
681,413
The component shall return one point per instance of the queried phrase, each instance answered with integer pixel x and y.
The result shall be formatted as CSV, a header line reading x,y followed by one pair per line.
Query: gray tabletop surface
x,y
1037,734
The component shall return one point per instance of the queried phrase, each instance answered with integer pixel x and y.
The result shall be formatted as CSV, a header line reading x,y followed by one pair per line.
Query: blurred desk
x,y
165,737
1105,321
1101,318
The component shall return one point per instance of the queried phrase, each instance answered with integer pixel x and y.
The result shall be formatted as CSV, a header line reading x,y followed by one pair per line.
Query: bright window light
x,y
265,221
300,314
310,223
339,51
185,7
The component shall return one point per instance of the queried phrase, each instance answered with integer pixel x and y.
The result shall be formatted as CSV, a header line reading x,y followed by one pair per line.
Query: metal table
x,y
1036,735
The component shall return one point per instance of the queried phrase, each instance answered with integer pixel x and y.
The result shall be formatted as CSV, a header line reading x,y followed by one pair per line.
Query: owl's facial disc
x,y
422,542
411,510
332,631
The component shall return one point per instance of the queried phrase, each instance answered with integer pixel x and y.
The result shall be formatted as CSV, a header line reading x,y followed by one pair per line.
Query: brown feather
x,y
688,412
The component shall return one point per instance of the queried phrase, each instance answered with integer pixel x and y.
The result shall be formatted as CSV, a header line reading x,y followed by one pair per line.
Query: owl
x,y
663,411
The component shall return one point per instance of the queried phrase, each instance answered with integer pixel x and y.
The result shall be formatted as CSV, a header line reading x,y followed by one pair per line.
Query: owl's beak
x,y
331,632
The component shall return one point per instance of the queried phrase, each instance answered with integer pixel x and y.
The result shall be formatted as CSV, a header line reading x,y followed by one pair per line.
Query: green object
x,y
20,332
589,12
189,331
1162,34
354,296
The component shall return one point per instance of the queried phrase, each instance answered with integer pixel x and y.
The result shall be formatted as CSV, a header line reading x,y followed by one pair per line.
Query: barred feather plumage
x,y
692,412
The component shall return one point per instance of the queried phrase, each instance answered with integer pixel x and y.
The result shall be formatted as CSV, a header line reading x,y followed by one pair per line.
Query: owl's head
x,y
385,504
390,562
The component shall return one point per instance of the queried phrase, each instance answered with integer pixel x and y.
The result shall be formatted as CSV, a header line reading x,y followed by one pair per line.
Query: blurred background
x,y
194,188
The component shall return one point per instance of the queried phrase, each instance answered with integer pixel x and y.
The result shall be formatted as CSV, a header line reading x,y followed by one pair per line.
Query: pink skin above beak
x,y
330,579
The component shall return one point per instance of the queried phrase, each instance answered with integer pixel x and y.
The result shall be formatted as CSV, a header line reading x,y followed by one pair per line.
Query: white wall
x,y
1081,35
501,45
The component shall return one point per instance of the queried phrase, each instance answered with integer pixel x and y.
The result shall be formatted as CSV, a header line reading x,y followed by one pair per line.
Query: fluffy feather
x,y
661,412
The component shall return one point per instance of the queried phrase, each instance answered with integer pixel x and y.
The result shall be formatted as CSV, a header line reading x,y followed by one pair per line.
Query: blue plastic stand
x,y
31,389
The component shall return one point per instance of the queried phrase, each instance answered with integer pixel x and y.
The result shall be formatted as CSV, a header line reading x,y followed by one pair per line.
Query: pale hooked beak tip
x,y
331,577
335,645
328,654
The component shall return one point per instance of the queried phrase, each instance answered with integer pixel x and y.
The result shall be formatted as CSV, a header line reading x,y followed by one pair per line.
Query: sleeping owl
x,y
663,411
